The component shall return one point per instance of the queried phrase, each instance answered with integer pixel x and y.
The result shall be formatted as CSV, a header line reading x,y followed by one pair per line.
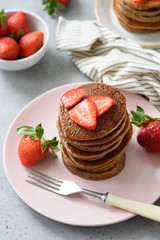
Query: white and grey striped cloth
x,y
105,56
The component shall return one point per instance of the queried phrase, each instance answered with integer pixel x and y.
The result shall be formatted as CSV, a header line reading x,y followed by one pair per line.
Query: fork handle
x,y
143,209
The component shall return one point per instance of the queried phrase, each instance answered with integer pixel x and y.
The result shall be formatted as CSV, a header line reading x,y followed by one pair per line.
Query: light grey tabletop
x,y
17,220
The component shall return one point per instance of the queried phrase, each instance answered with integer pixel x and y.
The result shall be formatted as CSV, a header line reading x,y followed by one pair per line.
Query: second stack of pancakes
x,y
140,17
96,154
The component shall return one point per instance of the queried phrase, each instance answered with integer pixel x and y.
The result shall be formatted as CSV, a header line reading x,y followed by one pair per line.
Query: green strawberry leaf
x,y
53,144
53,3
139,117
3,18
54,149
60,6
140,110
39,131
51,11
13,35
26,130
156,119
19,34
50,6
43,144
33,137
53,141
45,2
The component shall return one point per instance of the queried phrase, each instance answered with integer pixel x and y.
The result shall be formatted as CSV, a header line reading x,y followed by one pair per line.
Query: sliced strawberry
x,y
73,96
137,1
84,114
103,103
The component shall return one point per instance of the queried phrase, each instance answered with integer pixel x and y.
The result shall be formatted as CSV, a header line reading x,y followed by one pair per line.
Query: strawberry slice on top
x,y
103,103
137,1
72,97
84,114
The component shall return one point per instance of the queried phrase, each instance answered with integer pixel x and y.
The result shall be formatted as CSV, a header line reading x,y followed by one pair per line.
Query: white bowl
x,y
36,23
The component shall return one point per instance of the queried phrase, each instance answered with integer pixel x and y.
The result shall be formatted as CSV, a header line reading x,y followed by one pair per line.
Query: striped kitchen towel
x,y
106,57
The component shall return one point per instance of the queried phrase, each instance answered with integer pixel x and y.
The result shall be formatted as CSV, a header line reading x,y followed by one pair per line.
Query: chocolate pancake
x,y
100,147
143,13
84,145
109,156
86,155
108,161
135,30
134,25
139,15
96,175
106,123
95,151
96,166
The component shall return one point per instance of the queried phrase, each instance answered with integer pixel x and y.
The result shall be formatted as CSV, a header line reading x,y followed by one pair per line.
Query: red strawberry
x,y
9,49
18,23
137,1
148,135
3,23
72,97
103,103
85,114
33,147
64,2
30,151
30,43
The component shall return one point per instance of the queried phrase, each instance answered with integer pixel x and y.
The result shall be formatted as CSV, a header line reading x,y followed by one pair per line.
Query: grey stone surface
x,y
17,220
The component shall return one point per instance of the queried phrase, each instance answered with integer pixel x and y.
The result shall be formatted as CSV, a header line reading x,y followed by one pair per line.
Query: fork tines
x,y
44,181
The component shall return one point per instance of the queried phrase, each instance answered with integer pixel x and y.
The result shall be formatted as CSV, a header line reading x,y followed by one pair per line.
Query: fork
x,y
65,187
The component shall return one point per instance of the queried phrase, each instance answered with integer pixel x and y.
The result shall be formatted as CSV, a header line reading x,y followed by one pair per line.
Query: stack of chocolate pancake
x,y
96,154
141,17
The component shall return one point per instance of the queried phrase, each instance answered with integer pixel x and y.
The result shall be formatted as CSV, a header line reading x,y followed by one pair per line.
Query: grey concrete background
x,y
17,220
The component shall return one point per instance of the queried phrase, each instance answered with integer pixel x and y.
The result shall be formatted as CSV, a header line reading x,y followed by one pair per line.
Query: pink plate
x,y
139,180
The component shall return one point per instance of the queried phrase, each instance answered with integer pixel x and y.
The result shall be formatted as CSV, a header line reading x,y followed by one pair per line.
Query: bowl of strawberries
x,y
23,39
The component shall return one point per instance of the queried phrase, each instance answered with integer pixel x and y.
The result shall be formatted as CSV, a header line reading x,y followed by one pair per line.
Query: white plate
x,y
105,15
139,180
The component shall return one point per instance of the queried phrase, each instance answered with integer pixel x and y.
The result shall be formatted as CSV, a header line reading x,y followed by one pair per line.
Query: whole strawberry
x,y
33,147
30,43
18,25
148,135
3,23
9,49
